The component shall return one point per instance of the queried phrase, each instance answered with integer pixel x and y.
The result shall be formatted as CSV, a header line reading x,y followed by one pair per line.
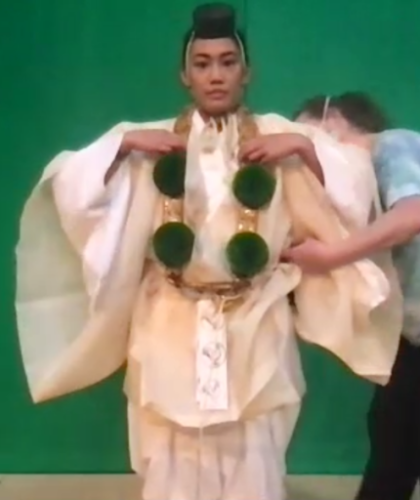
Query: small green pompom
x,y
169,175
173,245
247,254
254,187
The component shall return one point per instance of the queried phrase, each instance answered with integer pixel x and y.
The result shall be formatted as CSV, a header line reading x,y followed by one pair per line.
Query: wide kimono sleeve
x,y
72,321
354,312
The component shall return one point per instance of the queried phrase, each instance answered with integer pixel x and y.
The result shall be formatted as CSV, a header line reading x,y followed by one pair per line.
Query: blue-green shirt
x,y
396,157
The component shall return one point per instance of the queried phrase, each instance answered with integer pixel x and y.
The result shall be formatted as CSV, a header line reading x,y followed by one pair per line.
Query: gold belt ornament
x,y
229,294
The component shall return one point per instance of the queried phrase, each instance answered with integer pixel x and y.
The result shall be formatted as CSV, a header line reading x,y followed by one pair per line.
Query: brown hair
x,y
358,108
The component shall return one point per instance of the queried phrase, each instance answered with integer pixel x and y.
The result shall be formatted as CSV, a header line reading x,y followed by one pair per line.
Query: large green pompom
x,y
169,175
173,245
247,254
254,187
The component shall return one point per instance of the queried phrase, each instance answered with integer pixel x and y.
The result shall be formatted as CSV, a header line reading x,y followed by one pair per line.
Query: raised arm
x,y
281,140
89,184
148,141
398,169
397,164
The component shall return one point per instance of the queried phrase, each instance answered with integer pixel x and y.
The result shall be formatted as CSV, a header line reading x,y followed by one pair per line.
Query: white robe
x,y
83,268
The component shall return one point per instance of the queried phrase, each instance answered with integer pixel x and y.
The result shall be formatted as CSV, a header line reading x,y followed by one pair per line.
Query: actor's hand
x,y
153,142
273,147
312,256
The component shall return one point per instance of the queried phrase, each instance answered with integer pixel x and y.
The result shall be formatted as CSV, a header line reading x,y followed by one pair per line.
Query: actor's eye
x,y
201,64
229,62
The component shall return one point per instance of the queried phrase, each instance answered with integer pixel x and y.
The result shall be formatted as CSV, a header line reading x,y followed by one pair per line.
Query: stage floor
x,y
125,487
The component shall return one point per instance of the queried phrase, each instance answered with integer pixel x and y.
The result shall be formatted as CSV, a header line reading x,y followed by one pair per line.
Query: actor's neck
x,y
217,117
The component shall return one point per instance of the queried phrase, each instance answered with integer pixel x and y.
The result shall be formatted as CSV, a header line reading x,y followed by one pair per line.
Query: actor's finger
x,y
248,147
177,142
256,155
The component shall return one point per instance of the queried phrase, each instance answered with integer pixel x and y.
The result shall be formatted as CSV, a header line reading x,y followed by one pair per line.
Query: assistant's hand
x,y
312,256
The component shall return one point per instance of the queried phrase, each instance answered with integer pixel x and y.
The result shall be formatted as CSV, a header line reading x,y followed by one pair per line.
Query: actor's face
x,y
215,75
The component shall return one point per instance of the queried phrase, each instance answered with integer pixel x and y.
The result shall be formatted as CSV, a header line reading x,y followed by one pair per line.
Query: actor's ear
x,y
246,77
185,79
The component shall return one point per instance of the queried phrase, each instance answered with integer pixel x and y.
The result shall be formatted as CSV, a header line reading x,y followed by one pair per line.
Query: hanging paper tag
x,y
211,358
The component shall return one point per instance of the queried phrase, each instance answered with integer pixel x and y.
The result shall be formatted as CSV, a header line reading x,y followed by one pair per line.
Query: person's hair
x,y
238,40
358,108
361,111
313,107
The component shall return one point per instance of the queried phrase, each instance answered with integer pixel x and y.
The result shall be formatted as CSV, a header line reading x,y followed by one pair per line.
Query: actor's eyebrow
x,y
229,53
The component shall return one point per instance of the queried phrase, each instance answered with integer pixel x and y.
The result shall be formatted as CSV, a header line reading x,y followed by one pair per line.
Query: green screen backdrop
x,y
69,71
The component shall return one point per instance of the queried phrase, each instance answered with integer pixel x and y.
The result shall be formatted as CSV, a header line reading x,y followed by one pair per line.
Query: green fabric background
x,y
69,70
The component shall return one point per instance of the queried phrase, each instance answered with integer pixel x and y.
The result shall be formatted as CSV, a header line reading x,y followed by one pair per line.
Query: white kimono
x,y
91,297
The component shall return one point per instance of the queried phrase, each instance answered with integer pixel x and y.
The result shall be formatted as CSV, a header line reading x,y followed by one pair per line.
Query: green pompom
x,y
173,245
169,175
247,254
254,187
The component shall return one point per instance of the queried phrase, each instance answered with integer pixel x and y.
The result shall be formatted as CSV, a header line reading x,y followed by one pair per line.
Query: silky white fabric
x,y
349,177
241,461
233,443
351,185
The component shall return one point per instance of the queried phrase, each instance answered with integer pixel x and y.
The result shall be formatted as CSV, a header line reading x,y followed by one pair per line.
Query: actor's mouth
x,y
217,94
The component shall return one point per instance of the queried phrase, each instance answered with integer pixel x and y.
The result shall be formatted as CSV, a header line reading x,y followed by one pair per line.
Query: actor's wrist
x,y
126,145
303,146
